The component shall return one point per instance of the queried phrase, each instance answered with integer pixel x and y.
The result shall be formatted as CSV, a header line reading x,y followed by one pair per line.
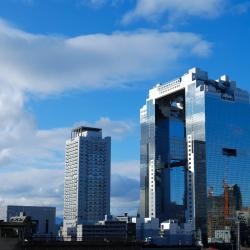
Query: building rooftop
x,y
222,87
86,132
84,128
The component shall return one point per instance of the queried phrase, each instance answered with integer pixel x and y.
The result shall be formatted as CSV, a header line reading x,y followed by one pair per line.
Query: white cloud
x,y
30,186
125,187
122,205
241,8
24,144
127,168
176,9
97,4
116,129
94,3
49,64
44,187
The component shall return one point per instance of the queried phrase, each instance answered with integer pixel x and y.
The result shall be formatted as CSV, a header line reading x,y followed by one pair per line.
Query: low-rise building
x,y
19,227
146,228
131,227
173,233
42,218
102,231
168,233
111,229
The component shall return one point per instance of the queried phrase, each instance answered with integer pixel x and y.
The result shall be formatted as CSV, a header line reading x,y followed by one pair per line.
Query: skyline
x,y
38,118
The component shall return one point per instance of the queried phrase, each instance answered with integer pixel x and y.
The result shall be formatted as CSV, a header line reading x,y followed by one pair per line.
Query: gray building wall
x,y
44,217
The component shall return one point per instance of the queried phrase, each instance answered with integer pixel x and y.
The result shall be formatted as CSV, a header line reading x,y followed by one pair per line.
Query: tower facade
x,y
87,178
195,137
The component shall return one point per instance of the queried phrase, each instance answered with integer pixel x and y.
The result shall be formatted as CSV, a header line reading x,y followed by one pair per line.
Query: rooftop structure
x,y
78,131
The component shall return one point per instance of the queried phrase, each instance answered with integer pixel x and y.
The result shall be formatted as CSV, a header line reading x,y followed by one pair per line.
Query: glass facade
x,y
195,152
228,127
163,158
227,160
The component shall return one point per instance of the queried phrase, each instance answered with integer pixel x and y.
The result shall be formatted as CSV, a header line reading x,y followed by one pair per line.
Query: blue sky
x,y
70,62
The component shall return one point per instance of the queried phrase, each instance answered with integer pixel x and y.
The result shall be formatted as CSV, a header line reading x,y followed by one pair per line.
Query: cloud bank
x,y
49,64
44,187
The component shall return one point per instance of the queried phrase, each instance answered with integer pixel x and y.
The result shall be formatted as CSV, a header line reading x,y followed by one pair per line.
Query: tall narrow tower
x,y
87,178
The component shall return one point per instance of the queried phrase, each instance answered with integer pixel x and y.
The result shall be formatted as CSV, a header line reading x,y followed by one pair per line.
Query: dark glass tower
x,y
195,141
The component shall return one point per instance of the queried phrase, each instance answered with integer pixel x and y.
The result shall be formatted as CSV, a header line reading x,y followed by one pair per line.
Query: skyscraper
x,y
87,178
195,137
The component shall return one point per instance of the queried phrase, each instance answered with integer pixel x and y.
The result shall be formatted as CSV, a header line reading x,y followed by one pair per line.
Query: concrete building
x,y
174,234
42,218
113,229
146,228
103,231
131,226
87,178
195,136
19,227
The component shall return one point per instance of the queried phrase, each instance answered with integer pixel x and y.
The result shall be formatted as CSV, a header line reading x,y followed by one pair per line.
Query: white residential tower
x,y
87,178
